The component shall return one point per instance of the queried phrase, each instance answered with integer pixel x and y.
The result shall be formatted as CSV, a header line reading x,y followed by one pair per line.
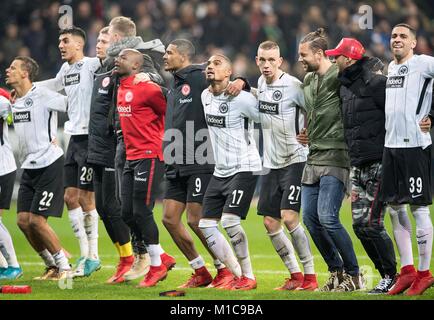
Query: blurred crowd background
x,y
30,28
236,27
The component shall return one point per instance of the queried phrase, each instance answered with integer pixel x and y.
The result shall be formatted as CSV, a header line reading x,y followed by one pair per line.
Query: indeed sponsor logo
x,y
71,79
124,110
22,117
215,121
395,82
268,107
188,100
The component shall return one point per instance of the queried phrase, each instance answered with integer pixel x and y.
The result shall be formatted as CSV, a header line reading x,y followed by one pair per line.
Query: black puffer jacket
x,y
363,94
102,140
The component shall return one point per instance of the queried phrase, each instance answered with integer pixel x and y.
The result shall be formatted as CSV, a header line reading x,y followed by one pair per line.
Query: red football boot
x,y
154,275
124,266
168,261
310,283
423,281
244,283
405,279
200,278
223,278
292,283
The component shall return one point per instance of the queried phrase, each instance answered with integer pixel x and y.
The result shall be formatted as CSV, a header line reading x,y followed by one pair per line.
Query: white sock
x,y
159,249
218,264
47,258
3,262
61,261
76,218
91,227
7,246
197,263
241,247
402,233
218,244
424,236
302,247
285,250
154,254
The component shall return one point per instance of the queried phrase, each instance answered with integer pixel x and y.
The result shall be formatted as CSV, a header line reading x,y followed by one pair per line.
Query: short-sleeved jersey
x,y
408,101
35,123
77,81
7,160
280,106
230,122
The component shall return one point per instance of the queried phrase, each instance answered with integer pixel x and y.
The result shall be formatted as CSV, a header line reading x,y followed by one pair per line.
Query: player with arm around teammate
x,y
76,77
237,165
40,195
280,107
407,157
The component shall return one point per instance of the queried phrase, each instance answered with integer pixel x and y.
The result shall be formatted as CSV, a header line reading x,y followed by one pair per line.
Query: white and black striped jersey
x,y
7,160
230,122
280,106
408,101
35,123
77,81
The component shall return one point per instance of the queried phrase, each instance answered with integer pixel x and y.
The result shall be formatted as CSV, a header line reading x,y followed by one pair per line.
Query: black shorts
x,y
229,195
190,188
6,189
41,190
78,172
280,190
406,176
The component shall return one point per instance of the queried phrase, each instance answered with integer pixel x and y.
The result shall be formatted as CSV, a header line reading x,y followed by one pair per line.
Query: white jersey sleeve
x,y
55,84
299,94
57,102
7,160
249,106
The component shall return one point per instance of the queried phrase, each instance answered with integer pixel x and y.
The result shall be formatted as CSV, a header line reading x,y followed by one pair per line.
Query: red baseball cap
x,y
348,47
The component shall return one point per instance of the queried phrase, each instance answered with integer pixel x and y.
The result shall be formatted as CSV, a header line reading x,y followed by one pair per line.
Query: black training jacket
x,y
184,105
363,94
102,140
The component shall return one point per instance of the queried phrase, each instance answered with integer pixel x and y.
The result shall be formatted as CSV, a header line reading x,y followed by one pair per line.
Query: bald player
x,y
141,108
237,165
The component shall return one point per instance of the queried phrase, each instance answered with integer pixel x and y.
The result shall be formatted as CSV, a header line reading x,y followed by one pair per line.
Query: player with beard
x,y
325,179
237,166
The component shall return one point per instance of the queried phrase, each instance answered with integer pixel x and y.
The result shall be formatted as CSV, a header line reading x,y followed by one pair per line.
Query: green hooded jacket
x,y
325,128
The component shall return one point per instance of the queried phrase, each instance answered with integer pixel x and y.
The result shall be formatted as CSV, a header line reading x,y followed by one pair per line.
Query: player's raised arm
x,y
54,84
57,102
250,107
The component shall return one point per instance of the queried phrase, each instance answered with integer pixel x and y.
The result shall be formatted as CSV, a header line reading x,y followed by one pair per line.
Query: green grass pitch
x,y
268,268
